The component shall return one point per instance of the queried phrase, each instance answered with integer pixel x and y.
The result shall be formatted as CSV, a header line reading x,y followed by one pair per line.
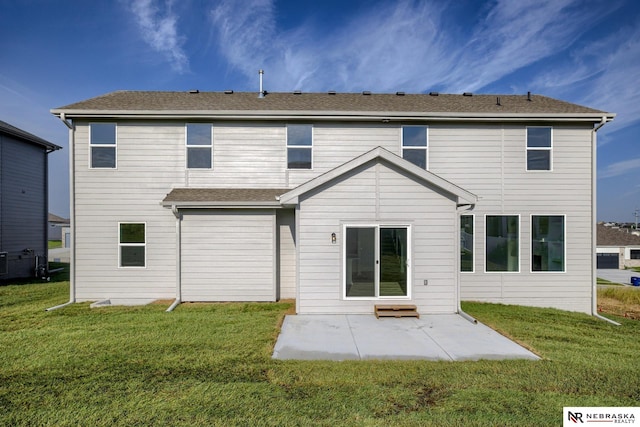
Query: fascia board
x,y
225,205
328,115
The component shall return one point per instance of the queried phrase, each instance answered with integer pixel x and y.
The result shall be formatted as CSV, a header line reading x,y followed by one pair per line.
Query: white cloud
x,y
620,168
405,45
159,30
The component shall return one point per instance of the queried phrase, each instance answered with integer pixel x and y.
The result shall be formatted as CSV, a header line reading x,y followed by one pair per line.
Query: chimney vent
x,y
194,91
467,94
228,92
297,92
366,92
262,92
434,93
400,93
528,96
332,92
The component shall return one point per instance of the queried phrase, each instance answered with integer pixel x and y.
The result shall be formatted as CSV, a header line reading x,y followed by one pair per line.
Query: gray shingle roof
x,y
8,129
608,236
222,196
129,101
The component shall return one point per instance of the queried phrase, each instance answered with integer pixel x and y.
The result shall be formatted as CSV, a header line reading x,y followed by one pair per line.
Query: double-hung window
x,y
539,148
547,243
299,146
102,143
199,146
466,243
502,244
132,244
414,145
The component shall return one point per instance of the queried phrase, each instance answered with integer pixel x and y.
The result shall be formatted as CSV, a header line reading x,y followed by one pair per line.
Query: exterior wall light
x,y
333,238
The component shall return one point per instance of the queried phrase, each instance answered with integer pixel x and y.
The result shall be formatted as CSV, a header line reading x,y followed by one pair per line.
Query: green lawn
x,y
210,364
53,244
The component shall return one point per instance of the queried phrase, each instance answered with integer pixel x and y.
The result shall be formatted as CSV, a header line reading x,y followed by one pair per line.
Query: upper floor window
x,y
414,145
132,244
299,146
539,148
199,146
102,143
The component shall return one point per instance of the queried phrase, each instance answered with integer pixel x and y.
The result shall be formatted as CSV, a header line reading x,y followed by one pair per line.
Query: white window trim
x,y
310,147
187,146
120,245
473,261
484,252
564,216
377,251
550,149
411,147
114,146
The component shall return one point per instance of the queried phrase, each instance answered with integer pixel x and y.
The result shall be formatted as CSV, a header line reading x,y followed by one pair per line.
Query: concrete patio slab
x,y
353,337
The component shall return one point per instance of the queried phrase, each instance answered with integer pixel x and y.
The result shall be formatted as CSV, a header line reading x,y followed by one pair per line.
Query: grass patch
x,y
210,364
620,301
600,281
55,244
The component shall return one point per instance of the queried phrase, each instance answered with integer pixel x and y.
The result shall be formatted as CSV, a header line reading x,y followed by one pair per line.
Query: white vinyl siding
x,y
376,193
228,255
286,253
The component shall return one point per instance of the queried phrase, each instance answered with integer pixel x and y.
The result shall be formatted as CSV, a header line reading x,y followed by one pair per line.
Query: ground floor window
x,y
502,244
132,245
376,260
547,243
466,243
634,254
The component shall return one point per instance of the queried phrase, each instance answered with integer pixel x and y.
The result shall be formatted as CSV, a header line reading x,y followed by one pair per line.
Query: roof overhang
x,y
371,116
460,195
223,198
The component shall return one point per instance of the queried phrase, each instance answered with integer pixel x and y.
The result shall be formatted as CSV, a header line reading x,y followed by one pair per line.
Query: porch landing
x,y
353,336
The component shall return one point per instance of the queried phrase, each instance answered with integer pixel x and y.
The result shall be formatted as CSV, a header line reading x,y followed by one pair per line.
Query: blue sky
x,y
53,53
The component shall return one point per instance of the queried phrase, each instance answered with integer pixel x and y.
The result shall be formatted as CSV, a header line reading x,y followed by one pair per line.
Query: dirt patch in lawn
x,y
618,308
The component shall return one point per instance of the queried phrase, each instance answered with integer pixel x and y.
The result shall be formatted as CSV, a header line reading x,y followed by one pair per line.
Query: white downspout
x,y
178,300
594,227
72,216
457,262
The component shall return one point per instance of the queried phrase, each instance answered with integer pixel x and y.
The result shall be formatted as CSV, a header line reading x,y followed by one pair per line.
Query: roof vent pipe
x,y
528,96
498,101
261,94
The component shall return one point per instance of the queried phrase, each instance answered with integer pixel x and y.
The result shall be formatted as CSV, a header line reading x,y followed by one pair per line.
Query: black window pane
x,y
502,243
132,233
466,243
103,157
539,137
199,158
299,158
299,135
414,136
103,133
198,134
132,256
538,160
416,156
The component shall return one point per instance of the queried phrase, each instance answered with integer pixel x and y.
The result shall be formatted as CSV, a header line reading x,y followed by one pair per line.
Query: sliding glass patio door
x,y
376,261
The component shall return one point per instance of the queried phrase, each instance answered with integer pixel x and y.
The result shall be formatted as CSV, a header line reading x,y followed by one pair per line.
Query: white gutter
x,y
178,300
72,217
457,261
594,226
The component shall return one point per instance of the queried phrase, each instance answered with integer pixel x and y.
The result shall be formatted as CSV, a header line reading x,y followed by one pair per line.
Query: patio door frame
x,y
377,261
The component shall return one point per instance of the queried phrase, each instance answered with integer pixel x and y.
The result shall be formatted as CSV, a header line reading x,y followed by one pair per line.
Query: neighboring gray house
x,y
56,225
339,200
617,248
23,203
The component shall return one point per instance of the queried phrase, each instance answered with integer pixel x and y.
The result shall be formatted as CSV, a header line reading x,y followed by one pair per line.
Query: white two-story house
x,y
340,201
